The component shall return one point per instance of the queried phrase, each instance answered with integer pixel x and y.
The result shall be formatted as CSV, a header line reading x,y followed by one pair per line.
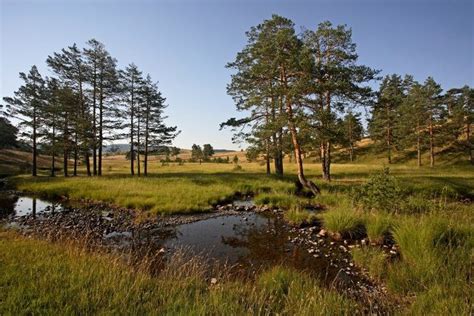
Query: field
x,y
427,214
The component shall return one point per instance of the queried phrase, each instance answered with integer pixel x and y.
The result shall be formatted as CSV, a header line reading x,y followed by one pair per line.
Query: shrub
x,y
381,192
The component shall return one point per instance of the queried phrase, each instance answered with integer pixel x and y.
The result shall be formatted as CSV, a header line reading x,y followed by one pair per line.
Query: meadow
x,y
427,214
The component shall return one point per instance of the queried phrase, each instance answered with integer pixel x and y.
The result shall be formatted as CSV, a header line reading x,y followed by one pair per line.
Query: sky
x,y
185,45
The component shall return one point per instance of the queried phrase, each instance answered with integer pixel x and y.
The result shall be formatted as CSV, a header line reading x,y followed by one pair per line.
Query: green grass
x,y
378,226
374,260
430,227
299,216
41,278
166,193
343,221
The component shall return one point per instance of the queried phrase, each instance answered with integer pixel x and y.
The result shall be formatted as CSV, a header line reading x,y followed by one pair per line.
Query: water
x,y
15,206
248,240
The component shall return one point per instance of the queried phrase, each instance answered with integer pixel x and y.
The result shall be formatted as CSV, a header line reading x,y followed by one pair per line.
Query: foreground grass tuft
x,y
344,222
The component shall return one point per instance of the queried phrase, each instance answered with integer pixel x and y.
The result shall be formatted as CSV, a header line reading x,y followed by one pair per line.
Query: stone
x,y
213,281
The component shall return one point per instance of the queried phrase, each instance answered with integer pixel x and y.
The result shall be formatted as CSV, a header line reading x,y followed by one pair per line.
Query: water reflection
x,y
13,205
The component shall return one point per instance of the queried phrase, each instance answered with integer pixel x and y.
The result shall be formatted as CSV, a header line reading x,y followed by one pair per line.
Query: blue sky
x,y
186,44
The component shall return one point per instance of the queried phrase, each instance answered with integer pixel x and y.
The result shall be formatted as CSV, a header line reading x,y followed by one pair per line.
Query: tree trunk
x,y
53,153
132,154
88,162
326,163
351,152
432,158
296,146
138,145
75,154
280,152
33,171
418,144
468,141
389,138
65,146
267,157
101,113
94,123
351,143
147,119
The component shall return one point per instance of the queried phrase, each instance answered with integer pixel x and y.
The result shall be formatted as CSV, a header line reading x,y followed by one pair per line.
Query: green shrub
x,y
381,192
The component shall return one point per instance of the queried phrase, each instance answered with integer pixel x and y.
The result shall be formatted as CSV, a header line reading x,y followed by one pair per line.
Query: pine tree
x,y
103,78
434,111
155,133
411,127
131,79
385,113
72,69
352,131
196,153
268,83
8,132
28,106
460,107
207,152
335,81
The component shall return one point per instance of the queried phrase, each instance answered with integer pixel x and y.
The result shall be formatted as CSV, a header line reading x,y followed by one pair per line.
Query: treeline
x,y
410,115
302,92
90,101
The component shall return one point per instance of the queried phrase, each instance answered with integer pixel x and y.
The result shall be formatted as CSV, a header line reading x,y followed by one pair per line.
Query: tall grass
x,y
378,226
167,193
41,278
344,221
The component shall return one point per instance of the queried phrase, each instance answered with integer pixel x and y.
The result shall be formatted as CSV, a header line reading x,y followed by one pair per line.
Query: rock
x,y
213,281
322,233
162,250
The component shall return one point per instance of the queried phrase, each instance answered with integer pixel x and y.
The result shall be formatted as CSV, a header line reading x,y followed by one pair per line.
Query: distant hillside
x,y
13,161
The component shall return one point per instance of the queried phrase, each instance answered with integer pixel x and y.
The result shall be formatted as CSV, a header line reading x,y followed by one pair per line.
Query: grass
x,y
378,226
41,278
374,260
431,228
299,216
343,222
165,193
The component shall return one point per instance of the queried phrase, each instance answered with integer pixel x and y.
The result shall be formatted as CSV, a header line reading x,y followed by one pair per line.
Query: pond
x,y
247,240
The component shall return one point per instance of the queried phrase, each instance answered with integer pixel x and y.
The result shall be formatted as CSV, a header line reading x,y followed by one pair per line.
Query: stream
x,y
246,240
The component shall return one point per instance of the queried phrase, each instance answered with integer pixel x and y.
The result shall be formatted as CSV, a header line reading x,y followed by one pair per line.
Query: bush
x,y
382,192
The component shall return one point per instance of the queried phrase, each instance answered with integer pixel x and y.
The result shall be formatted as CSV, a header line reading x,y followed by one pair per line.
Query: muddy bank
x,y
241,236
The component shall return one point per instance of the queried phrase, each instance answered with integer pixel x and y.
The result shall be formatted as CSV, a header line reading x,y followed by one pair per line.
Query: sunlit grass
x,y
41,278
